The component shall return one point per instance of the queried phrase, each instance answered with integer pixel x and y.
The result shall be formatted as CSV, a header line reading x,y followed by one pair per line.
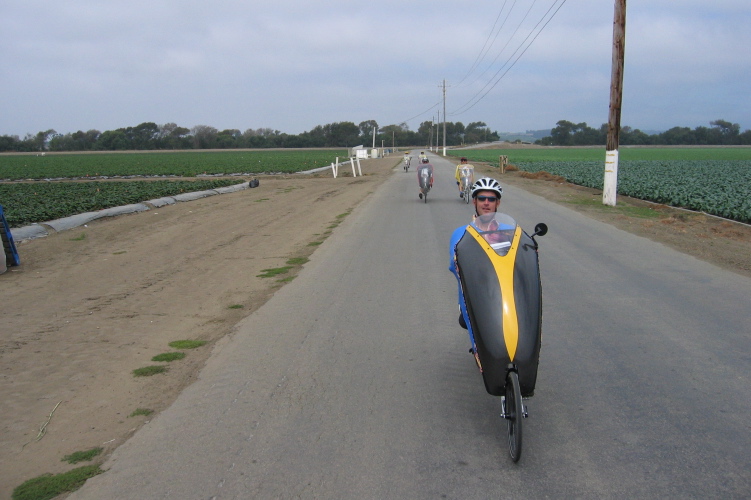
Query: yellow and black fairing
x,y
503,296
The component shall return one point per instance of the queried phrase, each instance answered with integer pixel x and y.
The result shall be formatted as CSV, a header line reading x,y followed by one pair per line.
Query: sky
x,y
291,65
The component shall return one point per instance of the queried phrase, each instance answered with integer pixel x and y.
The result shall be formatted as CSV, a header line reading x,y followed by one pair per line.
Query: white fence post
x,y
358,167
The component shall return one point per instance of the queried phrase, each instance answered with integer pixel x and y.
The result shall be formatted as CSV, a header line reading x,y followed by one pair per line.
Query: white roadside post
x,y
610,183
352,161
359,168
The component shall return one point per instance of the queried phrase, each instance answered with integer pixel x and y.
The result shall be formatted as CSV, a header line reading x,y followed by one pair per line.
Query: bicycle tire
x,y
514,413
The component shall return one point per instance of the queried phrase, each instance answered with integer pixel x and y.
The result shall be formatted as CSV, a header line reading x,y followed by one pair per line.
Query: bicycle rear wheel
x,y
514,413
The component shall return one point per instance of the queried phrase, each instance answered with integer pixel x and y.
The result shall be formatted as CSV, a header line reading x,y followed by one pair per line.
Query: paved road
x,y
354,380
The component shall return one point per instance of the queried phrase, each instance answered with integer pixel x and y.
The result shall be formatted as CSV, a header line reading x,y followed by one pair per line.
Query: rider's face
x,y
487,206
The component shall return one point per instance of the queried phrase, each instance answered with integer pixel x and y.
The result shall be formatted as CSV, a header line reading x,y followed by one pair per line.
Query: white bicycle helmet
x,y
487,184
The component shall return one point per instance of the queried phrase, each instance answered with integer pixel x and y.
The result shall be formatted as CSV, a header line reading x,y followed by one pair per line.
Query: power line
x,y
424,112
516,30
483,52
470,104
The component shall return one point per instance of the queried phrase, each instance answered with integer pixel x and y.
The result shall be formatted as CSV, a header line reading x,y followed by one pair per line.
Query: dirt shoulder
x,y
89,305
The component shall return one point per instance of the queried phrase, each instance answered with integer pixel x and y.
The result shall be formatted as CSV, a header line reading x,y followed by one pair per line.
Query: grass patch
x,y
119,253
168,356
339,218
235,306
286,280
596,203
186,344
48,486
270,273
261,199
148,371
314,243
297,261
141,411
80,237
82,456
641,212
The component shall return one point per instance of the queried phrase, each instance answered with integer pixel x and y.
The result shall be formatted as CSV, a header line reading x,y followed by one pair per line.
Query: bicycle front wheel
x,y
514,413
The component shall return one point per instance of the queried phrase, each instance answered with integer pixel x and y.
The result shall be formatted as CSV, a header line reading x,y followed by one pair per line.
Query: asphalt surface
x,y
354,380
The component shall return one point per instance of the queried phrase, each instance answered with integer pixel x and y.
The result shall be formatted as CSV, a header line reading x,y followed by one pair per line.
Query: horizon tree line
x,y
170,136
720,133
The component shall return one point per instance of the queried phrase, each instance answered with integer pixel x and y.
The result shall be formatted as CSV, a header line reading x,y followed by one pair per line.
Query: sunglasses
x,y
491,199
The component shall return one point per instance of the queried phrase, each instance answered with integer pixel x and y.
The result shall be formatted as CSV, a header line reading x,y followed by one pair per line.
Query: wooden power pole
x,y
444,117
610,185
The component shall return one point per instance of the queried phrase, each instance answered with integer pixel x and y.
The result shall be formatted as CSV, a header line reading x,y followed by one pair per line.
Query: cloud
x,y
292,65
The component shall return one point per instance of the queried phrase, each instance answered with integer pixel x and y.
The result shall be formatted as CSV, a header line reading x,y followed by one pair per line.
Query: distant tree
x,y
77,141
204,136
9,142
144,136
341,134
729,132
424,133
366,129
475,132
228,139
629,136
171,136
562,134
112,140
676,136
40,141
396,135
727,128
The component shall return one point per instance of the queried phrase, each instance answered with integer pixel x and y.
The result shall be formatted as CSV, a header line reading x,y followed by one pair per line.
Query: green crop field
x,y
712,180
598,154
26,203
180,164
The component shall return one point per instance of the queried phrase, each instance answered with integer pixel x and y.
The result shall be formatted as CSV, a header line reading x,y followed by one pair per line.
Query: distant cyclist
x,y
424,179
423,157
458,174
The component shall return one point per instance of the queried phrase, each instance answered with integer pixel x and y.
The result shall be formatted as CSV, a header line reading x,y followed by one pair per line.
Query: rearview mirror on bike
x,y
541,229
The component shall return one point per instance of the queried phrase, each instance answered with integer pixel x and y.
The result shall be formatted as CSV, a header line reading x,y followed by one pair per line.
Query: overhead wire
x,y
420,114
495,79
483,52
516,30
480,56
493,82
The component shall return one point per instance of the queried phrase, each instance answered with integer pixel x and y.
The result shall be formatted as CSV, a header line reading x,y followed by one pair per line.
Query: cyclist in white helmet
x,y
486,197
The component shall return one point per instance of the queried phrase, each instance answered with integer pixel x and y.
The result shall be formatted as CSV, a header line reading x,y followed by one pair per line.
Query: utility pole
x,y
430,137
610,183
444,117
437,126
